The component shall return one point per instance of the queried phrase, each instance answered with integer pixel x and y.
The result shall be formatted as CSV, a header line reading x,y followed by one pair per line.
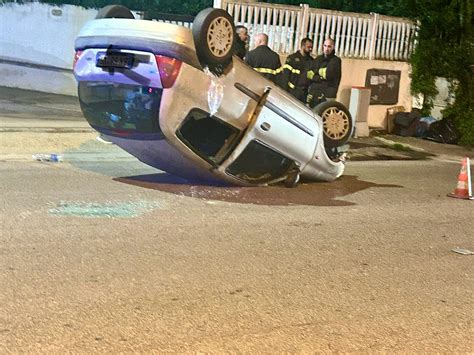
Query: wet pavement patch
x,y
100,210
310,193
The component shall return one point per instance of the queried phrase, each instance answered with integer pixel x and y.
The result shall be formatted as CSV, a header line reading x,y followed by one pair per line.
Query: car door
x,y
275,141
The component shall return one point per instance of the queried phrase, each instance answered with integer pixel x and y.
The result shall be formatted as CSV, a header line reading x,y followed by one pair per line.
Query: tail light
x,y
76,58
169,70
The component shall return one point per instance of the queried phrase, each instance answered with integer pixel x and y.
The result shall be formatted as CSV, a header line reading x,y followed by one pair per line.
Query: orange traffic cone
x,y
463,189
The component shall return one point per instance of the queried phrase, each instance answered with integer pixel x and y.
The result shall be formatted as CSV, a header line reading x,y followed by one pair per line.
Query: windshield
x,y
121,107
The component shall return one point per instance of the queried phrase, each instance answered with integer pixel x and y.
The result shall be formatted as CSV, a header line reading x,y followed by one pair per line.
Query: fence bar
x,y
337,34
281,16
304,22
358,39
402,41
230,10
392,39
255,19
292,31
412,40
310,32
314,34
365,36
347,50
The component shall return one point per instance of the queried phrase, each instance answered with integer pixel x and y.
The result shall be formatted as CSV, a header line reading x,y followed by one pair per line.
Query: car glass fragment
x,y
215,93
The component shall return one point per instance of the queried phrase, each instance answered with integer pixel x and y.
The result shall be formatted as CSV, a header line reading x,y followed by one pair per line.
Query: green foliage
x,y
151,6
446,49
393,7
423,76
462,111
97,4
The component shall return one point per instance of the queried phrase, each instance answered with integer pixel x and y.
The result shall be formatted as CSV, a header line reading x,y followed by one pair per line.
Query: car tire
x,y
214,36
114,11
337,123
292,179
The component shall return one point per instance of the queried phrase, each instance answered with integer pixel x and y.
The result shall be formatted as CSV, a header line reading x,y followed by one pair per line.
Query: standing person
x,y
241,41
325,75
263,59
293,77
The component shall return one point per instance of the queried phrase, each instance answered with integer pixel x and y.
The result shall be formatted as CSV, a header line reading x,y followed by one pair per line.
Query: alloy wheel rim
x,y
220,37
335,123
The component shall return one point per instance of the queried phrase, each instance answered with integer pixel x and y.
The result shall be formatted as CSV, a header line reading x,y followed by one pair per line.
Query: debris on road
x,y
54,158
463,251
101,139
127,209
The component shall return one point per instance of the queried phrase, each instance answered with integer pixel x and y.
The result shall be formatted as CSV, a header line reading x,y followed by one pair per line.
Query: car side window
x,y
208,136
259,164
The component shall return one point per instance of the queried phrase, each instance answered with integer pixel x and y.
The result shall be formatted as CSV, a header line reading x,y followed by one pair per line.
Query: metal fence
x,y
364,36
181,20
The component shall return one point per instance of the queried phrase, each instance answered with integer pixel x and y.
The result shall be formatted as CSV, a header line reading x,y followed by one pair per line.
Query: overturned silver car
x,y
178,100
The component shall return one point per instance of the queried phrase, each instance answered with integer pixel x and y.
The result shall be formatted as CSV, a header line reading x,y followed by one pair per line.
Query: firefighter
x,y
241,46
325,75
263,59
294,74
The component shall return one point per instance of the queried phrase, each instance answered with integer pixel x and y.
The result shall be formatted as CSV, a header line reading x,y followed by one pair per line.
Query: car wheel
x,y
114,11
214,32
337,123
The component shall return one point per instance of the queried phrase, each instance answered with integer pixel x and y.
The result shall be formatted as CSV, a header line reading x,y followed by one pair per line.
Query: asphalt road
x,y
100,253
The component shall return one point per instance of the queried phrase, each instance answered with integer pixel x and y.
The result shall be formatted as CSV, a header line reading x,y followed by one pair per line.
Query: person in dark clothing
x,y
294,75
263,59
241,46
325,75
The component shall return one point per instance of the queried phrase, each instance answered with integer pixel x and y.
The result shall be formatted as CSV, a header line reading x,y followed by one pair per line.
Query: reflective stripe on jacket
x,y
265,61
294,72
326,69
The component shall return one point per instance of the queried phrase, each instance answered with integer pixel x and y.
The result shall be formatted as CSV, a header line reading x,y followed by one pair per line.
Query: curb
x,y
389,143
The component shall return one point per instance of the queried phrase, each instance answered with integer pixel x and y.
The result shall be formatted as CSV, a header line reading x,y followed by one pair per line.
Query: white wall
x,y
42,35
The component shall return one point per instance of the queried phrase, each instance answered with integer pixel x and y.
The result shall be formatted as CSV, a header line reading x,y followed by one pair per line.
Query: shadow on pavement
x,y
309,193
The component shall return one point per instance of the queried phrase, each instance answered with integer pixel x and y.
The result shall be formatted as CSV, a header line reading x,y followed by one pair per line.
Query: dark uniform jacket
x,y
293,77
265,61
325,74
240,48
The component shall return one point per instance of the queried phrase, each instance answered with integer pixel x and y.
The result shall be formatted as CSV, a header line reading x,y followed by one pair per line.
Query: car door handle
x,y
265,126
